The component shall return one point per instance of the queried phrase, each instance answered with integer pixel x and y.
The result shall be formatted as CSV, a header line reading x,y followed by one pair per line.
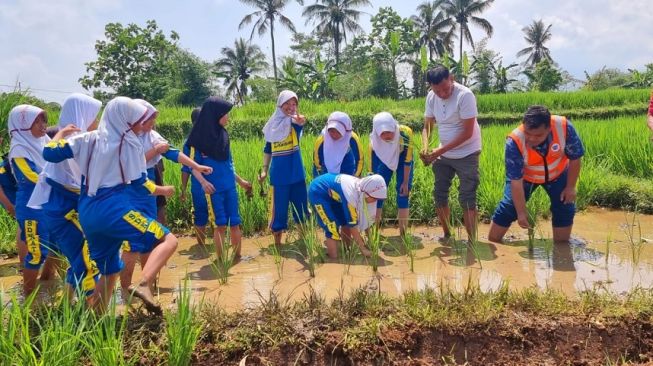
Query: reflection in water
x,y
589,261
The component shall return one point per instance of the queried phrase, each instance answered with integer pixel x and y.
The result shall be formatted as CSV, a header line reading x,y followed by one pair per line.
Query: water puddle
x,y
611,251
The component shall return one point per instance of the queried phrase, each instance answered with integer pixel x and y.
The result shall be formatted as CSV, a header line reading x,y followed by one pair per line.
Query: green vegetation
x,y
356,326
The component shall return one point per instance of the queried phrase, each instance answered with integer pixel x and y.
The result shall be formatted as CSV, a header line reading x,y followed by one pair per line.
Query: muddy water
x,y
611,251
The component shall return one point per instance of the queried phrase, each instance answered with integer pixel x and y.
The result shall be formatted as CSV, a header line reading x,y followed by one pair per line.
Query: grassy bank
x,y
368,328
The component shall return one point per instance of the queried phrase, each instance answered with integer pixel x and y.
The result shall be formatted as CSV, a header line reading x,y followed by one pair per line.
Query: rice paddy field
x,y
299,317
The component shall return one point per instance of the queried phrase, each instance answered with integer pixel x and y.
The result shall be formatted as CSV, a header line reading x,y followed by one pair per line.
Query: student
x,y
27,125
391,151
283,158
111,159
198,195
8,188
155,147
544,150
345,206
210,141
338,149
57,194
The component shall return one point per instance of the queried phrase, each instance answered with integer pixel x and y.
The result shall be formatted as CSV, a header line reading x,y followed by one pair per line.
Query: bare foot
x,y
143,292
365,252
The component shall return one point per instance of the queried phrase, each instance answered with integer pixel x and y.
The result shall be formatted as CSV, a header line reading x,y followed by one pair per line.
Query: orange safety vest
x,y
545,168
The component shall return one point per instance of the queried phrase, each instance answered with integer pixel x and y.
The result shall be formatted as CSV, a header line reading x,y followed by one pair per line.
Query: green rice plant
x,y
104,342
16,346
62,330
633,231
349,253
374,244
182,328
222,263
310,247
275,250
410,247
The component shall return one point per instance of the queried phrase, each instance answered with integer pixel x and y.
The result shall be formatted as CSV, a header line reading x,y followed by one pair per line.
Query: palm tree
x,y
466,11
269,11
238,64
335,18
435,28
536,35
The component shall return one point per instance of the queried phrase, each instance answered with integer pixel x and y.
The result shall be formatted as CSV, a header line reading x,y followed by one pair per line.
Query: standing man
x,y
453,107
544,150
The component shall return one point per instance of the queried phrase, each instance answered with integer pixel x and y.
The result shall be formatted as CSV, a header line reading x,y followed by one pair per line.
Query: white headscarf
x,y
388,152
81,111
152,138
354,190
113,154
335,150
278,126
23,143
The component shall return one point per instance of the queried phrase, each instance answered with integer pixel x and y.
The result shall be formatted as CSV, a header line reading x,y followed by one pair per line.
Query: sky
x,y
46,43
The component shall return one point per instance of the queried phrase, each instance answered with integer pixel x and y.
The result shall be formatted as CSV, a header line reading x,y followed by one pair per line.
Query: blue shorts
x,y
65,230
34,232
329,215
200,208
562,214
386,173
224,207
283,197
108,219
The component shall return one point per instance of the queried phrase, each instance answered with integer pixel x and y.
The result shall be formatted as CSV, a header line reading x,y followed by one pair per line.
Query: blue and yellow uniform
x,y
221,207
111,207
146,203
329,202
64,229
33,228
7,181
352,162
405,158
287,180
200,207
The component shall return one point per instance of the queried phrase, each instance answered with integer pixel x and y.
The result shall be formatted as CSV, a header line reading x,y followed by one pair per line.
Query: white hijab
x,y
278,126
152,138
81,111
113,154
23,143
335,150
387,151
355,189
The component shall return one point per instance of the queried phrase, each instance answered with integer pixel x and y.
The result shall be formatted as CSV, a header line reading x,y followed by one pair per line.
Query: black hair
x,y
437,74
195,114
537,116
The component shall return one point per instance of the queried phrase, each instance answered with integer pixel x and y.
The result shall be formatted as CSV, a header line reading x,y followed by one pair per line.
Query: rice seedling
x,y
275,250
349,252
16,346
374,244
633,231
310,247
410,247
61,332
182,328
220,264
104,342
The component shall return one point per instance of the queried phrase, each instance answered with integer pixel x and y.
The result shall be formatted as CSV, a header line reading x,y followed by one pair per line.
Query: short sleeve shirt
x,y
449,114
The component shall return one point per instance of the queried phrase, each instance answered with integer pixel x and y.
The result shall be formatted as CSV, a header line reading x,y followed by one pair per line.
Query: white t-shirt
x,y
449,113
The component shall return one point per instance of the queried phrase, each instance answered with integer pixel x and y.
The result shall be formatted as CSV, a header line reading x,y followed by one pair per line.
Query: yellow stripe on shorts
x,y
331,225
32,241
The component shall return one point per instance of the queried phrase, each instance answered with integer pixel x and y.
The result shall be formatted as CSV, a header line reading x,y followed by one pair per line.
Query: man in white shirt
x,y
453,107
